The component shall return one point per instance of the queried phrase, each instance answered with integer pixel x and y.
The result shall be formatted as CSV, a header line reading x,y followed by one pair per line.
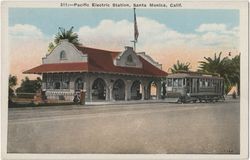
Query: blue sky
x,y
184,21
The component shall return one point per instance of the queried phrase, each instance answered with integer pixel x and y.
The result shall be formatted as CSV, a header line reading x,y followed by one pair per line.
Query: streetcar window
x,y
169,82
184,82
203,83
208,83
175,82
179,82
200,83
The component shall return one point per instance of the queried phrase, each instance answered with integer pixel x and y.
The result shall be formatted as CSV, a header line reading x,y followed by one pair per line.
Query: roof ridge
x,y
81,46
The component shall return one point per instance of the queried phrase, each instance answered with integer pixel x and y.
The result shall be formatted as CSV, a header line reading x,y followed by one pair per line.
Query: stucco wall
x,y
121,60
72,54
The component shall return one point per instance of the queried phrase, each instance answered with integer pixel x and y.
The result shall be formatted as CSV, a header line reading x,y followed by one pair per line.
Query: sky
x,y
166,35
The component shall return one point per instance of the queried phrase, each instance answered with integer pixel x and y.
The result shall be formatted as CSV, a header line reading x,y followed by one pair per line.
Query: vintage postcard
x,y
124,80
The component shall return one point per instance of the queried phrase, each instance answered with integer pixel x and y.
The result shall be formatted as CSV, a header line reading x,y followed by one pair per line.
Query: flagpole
x,y
136,33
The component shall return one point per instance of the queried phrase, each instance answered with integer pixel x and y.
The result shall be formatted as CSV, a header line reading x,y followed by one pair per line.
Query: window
x,y
65,85
209,83
180,82
63,55
200,83
203,83
169,83
130,59
175,82
206,83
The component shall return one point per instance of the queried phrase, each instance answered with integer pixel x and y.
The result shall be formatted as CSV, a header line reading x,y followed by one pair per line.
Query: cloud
x,y
214,27
163,43
114,34
108,34
219,29
25,31
27,47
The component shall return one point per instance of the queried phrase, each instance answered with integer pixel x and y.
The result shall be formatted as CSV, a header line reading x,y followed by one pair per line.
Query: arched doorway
x,y
78,84
119,90
136,90
152,90
99,89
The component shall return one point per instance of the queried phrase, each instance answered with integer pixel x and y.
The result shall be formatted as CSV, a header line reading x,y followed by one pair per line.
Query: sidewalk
x,y
168,100
98,104
110,103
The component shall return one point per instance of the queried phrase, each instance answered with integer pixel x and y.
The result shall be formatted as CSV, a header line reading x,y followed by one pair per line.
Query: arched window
x,y
119,90
62,55
136,90
130,59
99,89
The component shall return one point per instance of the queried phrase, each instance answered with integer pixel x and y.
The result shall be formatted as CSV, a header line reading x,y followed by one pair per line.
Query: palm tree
x,y
215,65
69,34
179,66
235,72
63,34
225,67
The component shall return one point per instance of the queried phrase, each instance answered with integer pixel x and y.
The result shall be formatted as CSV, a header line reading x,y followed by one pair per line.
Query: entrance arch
x,y
119,90
152,90
136,90
78,84
99,89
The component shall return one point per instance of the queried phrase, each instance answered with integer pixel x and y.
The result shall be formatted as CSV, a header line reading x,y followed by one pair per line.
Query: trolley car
x,y
194,86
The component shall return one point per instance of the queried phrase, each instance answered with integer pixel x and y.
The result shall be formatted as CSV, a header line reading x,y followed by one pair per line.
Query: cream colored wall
x,y
121,60
72,54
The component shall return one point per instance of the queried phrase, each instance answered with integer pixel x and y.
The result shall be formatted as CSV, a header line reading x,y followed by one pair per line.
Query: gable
x,y
64,52
128,58
149,59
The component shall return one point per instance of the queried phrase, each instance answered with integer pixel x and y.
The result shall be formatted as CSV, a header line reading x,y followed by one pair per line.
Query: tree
x,y
12,84
29,86
71,36
215,65
179,66
227,68
51,46
234,75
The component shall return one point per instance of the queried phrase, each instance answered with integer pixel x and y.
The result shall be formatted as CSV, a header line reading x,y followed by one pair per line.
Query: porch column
x,y
107,93
142,91
72,82
158,91
87,88
110,87
44,80
128,89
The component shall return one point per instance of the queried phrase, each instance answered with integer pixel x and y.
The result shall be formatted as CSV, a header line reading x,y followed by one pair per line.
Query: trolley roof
x,y
184,74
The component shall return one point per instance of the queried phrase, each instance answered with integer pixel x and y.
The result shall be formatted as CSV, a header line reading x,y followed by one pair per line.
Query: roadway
x,y
134,128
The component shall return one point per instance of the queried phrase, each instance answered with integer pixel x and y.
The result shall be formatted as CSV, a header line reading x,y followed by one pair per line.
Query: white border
x,y
223,4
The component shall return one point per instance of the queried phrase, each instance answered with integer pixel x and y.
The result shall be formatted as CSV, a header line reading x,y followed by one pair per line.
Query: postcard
x,y
124,79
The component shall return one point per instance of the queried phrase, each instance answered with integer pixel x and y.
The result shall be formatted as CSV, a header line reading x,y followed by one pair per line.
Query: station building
x,y
103,75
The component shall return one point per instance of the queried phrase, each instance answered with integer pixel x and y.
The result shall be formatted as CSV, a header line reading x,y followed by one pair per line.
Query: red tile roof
x,y
59,67
99,61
